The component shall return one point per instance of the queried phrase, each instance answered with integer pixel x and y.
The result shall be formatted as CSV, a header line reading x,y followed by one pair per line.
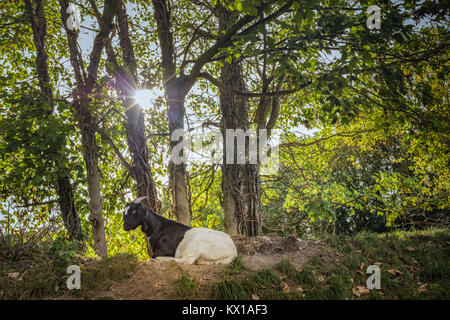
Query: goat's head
x,y
134,214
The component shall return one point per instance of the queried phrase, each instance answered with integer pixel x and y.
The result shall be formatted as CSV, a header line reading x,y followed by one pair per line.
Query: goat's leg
x,y
183,260
163,258
216,262
189,259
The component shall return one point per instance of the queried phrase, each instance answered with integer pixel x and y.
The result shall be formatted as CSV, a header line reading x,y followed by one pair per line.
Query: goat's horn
x,y
138,200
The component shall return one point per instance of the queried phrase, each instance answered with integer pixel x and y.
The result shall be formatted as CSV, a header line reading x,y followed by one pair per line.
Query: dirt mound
x,y
157,279
253,245
266,252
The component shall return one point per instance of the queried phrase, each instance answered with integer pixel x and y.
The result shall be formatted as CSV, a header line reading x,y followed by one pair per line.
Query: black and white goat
x,y
171,240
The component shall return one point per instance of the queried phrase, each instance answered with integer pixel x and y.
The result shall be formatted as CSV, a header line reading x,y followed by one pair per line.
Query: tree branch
x,y
106,27
223,87
107,138
226,39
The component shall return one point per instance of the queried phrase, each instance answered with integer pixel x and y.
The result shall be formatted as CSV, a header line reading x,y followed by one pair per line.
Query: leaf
x,y
239,6
394,272
422,288
13,275
362,290
356,292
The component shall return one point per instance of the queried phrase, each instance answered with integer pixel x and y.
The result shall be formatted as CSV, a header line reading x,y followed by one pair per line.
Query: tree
x,y
178,86
240,182
69,213
81,101
126,81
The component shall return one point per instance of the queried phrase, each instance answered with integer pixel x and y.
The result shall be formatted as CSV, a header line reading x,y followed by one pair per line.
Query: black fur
x,y
163,234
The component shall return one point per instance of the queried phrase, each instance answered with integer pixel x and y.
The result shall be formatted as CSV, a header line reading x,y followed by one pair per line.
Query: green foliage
x,y
42,280
187,287
41,269
414,265
103,273
233,267
63,253
377,101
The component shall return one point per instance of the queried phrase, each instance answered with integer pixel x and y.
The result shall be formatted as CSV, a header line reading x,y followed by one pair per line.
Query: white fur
x,y
204,246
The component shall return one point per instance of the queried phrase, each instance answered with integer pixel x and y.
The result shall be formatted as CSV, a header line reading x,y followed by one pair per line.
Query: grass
x,y
103,273
43,273
414,265
230,289
262,283
40,280
187,287
234,267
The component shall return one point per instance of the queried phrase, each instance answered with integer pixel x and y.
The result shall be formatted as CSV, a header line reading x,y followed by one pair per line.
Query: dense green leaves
x,y
376,102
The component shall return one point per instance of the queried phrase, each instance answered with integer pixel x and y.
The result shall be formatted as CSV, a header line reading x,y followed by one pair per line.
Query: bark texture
x,y
126,83
85,82
177,172
176,90
240,182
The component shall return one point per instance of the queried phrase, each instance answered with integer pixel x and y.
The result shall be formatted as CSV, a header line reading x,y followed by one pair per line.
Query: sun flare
x,y
146,97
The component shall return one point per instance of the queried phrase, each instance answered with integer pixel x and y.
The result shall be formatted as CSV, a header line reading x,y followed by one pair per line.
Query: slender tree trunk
x,y
86,122
64,189
68,210
177,172
176,90
126,83
140,166
89,146
240,182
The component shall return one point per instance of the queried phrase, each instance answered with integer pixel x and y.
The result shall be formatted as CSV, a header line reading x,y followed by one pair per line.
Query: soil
x,y
157,279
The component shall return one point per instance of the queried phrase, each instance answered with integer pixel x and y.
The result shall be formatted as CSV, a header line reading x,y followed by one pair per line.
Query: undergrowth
x,y
42,273
414,265
187,287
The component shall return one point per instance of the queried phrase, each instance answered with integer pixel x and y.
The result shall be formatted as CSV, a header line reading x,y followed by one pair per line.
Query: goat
x,y
171,240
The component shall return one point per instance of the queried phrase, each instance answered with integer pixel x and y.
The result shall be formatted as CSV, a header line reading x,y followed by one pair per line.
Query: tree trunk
x,y
88,130
240,182
126,83
38,23
68,210
87,124
177,172
136,139
176,89
140,166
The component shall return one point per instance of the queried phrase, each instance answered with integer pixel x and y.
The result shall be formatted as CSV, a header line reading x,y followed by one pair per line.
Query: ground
x,y
413,265
157,280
